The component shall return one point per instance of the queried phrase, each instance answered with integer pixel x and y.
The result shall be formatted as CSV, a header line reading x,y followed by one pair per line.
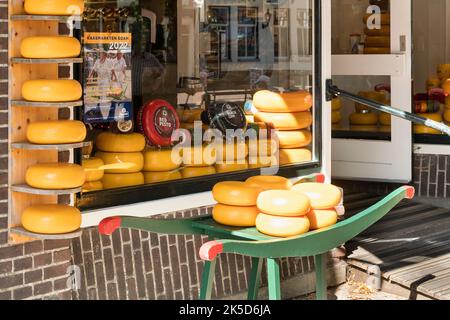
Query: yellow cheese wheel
x,y
433,83
51,90
446,86
293,156
269,182
443,71
282,227
385,30
336,117
421,129
336,104
161,160
231,152
121,162
262,162
378,41
235,193
154,177
384,18
385,119
54,7
51,219
92,186
371,95
121,180
285,203
189,115
268,101
93,168
319,219
293,139
286,121
117,142
322,195
47,47
55,176
447,115
235,216
373,50
193,125
56,132
370,118
199,156
262,147
192,172
231,167
447,102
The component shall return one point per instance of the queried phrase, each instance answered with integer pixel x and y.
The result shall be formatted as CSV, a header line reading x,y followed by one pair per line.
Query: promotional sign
x,y
107,73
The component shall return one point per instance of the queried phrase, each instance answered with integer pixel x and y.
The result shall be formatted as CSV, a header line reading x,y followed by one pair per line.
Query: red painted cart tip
x,y
108,225
320,178
409,192
210,250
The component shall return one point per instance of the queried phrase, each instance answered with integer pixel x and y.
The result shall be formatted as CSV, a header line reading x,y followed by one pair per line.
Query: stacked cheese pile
x,y
336,114
364,115
94,170
188,117
198,161
161,165
378,39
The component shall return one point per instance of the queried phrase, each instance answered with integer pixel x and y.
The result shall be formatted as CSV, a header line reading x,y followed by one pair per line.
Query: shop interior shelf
x,y
30,17
24,103
59,147
21,231
23,188
47,61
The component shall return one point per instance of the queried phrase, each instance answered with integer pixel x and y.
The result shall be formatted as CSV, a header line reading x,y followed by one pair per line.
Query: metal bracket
x,y
329,94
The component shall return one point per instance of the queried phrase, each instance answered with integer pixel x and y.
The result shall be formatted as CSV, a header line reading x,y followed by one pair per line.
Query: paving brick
x,y
149,283
112,291
101,284
96,245
120,274
131,289
109,264
89,269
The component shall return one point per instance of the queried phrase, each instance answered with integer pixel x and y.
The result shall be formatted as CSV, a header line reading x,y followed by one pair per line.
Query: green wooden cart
x,y
249,242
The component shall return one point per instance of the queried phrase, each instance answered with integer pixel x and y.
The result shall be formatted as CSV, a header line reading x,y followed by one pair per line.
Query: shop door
x,y
366,144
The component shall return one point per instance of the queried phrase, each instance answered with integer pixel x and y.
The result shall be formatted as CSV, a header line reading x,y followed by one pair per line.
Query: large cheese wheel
x,y
54,7
51,219
384,18
336,117
231,167
268,101
385,30
93,168
154,177
121,180
121,162
235,193
161,160
336,104
51,90
385,119
47,47
55,176
282,227
285,203
231,152
262,147
370,118
373,50
421,129
56,132
192,172
293,139
319,219
262,162
92,186
117,142
322,196
235,216
443,71
378,41
286,121
199,156
269,182
447,115
293,156
189,115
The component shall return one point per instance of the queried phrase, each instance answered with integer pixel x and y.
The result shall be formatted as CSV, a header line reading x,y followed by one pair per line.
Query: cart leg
x,y
273,277
321,276
207,280
255,277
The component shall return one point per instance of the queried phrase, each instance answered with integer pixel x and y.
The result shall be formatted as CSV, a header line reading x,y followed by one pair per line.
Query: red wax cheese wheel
x,y
269,182
321,195
121,162
161,160
283,203
122,180
51,219
54,176
319,219
93,168
119,142
294,156
235,216
56,132
294,139
154,177
234,193
268,101
286,121
282,227
192,172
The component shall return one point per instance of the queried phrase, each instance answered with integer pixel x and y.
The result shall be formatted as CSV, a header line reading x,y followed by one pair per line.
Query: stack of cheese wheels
x,y
198,161
122,157
231,156
93,168
236,203
290,114
262,153
422,129
54,7
161,165
378,40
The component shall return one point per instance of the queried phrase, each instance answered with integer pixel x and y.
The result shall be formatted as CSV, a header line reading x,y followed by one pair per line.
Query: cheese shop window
x,y
179,95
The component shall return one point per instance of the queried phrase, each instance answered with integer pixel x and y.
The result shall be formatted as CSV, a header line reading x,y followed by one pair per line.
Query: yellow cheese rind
x,y
294,139
321,195
268,101
336,117
55,176
122,180
378,41
385,30
93,169
51,219
199,156
370,118
192,172
231,167
293,156
54,7
117,142
336,104
50,47
447,115
284,203
443,71
262,162
374,50
231,152
269,182
286,121
421,129
121,162
235,216
385,119
319,219
282,227
235,193
154,177
56,132
51,90
161,160
92,186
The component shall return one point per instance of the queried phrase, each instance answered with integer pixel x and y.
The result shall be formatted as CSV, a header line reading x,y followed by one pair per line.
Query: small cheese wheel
x,y
370,118
384,18
53,176
262,162
121,162
118,142
385,119
122,180
384,30
284,203
50,47
231,152
192,172
199,156
235,193
447,115
319,219
54,7
162,160
51,219
268,101
234,216
294,156
336,104
336,117
269,182
231,167
154,177
282,227
421,129
378,41
373,50
443,71
56,132
293,139
93,168
92,186
286,121
322,196
51,90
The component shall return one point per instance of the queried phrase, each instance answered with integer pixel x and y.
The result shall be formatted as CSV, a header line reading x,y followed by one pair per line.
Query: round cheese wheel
x,y
53,176
121,162
154,177
378,41
118,142
235,216
93,168
385,30
51,219
373,50
336,117
286,121
385,119
446,86
48,47
269,182
370,118
231,167
54,7
433,83
447,115
293,139
294,156
268,101
285,203
421,129
92,186
51,90
189,115
443,71
192,172
235,193
161,160
282,227
56,132
199,156
122,180
262,162
231,152
319,219
336,104
385,18
322,196
262,147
